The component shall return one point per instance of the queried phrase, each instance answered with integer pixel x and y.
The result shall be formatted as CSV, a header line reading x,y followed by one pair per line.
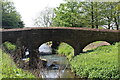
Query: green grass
x,y
65,49
10,70
102,62
0,65
68,51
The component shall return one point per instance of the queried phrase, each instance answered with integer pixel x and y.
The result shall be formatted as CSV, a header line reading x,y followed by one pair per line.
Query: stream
x,y
56,66
60,69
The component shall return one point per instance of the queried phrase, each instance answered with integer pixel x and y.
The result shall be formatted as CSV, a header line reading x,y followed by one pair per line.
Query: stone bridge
x,y
78,38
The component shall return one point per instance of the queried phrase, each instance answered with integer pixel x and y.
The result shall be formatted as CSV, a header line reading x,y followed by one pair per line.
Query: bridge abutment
x,y
78,49
34,61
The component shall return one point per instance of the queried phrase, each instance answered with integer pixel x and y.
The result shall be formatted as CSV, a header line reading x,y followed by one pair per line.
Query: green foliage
x,y
93,15
100,63
9,69
74,13
9,46
68,15
65,49
111,15
101,13
10,17
0,65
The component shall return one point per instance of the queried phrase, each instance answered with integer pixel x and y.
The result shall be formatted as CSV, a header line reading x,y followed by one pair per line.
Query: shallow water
x,y
62,69
56,66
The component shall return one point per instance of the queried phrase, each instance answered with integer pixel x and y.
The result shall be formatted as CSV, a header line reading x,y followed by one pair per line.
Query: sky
x,y
29,9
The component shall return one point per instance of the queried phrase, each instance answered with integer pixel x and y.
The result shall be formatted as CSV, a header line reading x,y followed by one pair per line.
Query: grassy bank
x,y
65,50
9,69
102,62
0,65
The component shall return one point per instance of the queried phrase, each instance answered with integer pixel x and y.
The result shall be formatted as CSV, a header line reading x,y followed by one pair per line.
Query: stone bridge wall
x,y
73,36
78,38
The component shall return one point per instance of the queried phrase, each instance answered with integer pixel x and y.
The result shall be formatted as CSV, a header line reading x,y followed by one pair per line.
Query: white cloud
x,y
28,9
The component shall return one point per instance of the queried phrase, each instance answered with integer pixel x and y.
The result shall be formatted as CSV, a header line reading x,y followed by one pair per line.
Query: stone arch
x,y
81,45
47,40
95,44
34,58
64,41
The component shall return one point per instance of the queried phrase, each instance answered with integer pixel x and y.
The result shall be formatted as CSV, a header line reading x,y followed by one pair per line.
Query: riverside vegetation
x,y
101,62
9,68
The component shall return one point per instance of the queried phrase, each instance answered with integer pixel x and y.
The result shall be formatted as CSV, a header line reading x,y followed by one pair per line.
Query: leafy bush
x,y
9,69
101,63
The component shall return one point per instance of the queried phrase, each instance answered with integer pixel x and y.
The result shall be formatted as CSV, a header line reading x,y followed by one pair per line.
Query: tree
x,y
45,18
10,17
87,14
100,13
0,14
93,14
68,15
111,16
117,15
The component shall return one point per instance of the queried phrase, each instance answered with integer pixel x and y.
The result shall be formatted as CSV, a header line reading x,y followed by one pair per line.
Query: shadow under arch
x,y
94,44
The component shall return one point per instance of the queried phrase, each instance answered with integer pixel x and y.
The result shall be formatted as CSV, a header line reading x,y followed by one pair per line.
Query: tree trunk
x,y
116,23
109,26
96,18
92,15
108,23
